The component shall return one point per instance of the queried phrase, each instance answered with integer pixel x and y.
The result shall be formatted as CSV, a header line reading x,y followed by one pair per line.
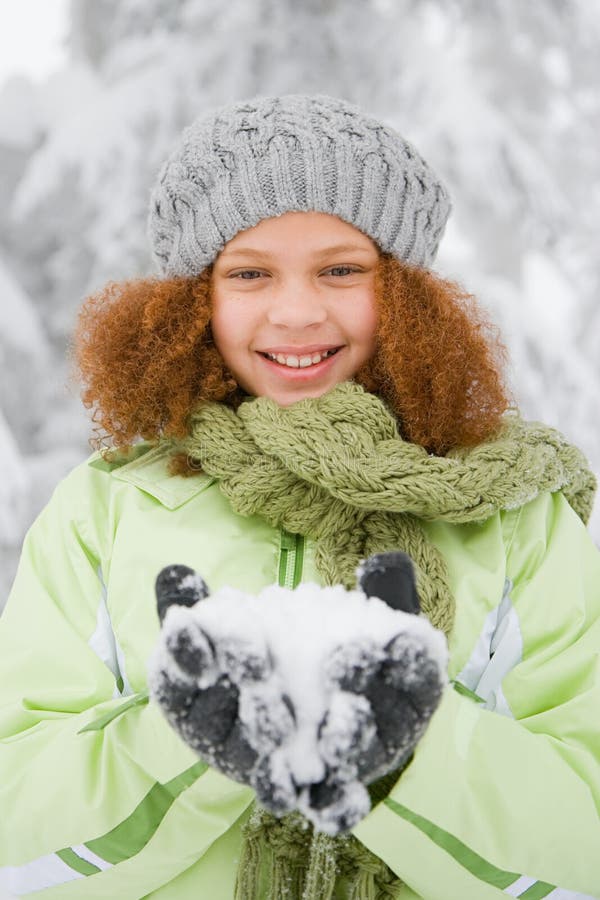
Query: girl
x,y
296,313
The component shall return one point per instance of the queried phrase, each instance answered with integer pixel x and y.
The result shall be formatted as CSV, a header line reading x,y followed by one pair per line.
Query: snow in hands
x,y
306,695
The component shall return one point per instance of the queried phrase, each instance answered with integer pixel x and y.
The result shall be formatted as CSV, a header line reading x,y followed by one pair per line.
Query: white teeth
x,y
302,362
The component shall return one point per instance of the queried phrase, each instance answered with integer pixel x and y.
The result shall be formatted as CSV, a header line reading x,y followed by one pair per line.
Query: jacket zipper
x,y
291,557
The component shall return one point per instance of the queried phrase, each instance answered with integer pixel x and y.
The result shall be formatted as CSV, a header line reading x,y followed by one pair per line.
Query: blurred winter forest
x,y
502,97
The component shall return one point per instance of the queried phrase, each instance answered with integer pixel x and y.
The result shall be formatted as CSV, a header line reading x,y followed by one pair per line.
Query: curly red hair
x,y
146,356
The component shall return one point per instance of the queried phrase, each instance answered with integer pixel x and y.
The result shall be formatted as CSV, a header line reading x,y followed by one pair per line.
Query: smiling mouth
x,y
292,361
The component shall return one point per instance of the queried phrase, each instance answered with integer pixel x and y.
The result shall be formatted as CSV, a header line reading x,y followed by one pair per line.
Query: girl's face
x,y
294,305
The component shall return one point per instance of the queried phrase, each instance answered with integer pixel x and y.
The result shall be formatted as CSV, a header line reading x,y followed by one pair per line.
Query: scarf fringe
x,y
247,886
284,859
322,868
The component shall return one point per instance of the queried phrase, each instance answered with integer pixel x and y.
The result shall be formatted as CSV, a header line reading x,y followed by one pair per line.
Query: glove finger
x,y
403,694
346,731
339,806
391,577
351,665
411,668
273,785
193,650
178,585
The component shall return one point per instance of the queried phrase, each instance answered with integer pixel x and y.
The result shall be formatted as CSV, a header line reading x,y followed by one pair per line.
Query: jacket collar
x,y
150,473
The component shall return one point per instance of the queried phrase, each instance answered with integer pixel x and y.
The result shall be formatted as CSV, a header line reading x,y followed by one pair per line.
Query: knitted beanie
x,y
271,155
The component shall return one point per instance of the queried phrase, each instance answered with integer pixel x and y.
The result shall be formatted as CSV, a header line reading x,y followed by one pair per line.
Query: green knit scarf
x,y
335,469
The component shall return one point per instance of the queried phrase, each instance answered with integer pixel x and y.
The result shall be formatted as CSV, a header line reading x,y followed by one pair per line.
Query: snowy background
x,y
502,97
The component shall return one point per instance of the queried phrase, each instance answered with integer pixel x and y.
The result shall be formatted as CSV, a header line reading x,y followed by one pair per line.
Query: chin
x,y
286,399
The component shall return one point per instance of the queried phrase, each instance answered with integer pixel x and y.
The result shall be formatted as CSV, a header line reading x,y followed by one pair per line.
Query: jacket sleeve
x,y
508,804
117,811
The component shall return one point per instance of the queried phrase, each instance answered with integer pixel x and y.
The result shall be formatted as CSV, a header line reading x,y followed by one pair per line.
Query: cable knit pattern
x,y
271,155
336,470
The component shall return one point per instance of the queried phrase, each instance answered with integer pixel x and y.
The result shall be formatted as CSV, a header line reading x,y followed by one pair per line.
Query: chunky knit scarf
x,y
335,469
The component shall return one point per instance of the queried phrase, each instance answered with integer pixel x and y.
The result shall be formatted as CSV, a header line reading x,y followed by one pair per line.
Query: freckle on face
x,y
302,301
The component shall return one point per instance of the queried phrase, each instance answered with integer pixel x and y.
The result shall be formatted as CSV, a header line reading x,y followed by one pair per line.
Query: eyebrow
x,y
326,251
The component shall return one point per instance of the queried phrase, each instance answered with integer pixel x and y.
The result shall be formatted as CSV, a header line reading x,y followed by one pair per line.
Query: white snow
x,y
550,299
19,113
302,629
19,321
32,37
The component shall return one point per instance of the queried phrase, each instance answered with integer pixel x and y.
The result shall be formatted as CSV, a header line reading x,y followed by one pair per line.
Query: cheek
x,y
230,325
221,314
364,321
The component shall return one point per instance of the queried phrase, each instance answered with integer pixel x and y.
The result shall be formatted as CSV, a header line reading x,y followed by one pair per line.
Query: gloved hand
x,y
307,695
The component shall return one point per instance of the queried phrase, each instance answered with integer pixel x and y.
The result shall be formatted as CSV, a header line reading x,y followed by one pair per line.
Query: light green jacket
x,y
502,797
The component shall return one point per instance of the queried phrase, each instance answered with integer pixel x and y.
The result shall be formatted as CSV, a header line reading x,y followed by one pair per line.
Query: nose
x,y
296,306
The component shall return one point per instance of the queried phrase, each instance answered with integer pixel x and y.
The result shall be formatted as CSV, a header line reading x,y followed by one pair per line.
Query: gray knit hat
x,y
271,155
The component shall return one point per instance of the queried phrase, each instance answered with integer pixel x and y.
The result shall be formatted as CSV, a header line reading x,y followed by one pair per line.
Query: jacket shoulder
x,y
93,477
145,467
542,529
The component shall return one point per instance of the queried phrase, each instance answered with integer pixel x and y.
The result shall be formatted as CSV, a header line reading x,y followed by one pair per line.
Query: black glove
x,y
219,683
